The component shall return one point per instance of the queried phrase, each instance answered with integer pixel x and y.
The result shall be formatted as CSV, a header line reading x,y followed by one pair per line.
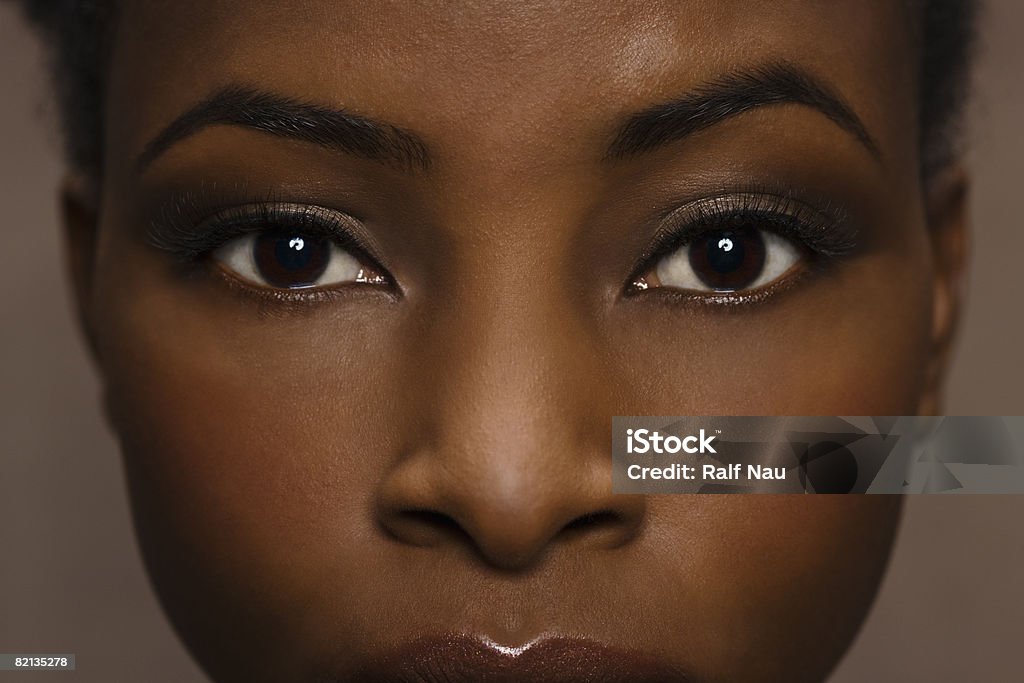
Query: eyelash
x,y
188,233
825,234
191,241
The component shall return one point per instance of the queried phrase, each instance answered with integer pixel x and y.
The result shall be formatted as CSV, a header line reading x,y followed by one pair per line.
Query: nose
x,y
513,458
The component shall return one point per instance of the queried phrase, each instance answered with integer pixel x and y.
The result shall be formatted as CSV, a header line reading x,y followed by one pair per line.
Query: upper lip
x,y
462,659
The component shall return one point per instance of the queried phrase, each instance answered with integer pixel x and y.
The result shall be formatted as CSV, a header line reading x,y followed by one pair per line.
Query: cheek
x,y
252,448
788,575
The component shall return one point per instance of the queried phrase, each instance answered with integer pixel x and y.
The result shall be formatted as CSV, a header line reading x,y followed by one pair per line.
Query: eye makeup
x,y
822,235
190,229
187,232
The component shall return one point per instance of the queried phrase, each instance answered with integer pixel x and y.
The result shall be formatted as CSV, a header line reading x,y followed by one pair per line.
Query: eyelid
x,y
826,232
180,233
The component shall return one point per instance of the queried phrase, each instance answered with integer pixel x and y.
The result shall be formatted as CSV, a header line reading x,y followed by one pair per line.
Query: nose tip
x,y
508,522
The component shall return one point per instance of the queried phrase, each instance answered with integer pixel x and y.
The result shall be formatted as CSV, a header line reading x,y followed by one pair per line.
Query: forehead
x,y
519,80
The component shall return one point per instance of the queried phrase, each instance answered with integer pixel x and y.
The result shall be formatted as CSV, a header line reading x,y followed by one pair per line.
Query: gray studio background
x,y
952,605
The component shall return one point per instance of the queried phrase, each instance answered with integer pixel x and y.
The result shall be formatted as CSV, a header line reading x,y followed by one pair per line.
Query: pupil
x,y
726,253
290,260
728,260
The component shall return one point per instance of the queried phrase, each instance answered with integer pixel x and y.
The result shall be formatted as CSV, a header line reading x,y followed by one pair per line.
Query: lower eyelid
x,y
274,302
727,302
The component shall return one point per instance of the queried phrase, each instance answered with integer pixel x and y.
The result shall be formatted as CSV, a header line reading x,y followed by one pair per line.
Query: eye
x,y
730,259
293,259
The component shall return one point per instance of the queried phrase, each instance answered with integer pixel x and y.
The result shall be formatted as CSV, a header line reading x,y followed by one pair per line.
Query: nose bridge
x,y
519,394
518,348
524,362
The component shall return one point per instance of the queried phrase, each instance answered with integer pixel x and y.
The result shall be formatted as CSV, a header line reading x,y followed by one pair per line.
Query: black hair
x,y
79,32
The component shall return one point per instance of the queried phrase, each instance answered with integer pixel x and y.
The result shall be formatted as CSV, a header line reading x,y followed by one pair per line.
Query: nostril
x,y
509,526
431,518
608,525
424,526
593,520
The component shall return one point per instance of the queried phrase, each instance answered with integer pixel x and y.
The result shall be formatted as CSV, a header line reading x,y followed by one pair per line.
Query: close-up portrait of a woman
x,y
319,314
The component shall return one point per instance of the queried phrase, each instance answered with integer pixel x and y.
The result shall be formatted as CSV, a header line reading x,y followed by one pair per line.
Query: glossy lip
x,y
462,659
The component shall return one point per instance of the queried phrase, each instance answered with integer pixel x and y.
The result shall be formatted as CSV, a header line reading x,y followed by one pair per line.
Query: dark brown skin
x,y
316,481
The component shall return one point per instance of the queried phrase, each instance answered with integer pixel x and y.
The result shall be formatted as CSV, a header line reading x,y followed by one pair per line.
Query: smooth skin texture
x,y
317,480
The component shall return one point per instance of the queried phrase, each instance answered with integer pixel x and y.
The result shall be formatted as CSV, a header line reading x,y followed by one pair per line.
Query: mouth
x,y
463,659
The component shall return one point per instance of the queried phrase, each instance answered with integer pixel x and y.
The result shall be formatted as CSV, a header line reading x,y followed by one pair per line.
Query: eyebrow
x,y
291,118
731,95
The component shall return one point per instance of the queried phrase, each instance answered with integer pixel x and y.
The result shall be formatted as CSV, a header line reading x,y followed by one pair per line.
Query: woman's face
x,y
370,281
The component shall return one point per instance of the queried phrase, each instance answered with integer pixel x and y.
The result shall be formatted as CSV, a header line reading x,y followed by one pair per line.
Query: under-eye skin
x,y
740,248
285,249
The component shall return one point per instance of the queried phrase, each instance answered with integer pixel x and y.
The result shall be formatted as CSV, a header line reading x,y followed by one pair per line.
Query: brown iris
x,y
728,260
290,259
